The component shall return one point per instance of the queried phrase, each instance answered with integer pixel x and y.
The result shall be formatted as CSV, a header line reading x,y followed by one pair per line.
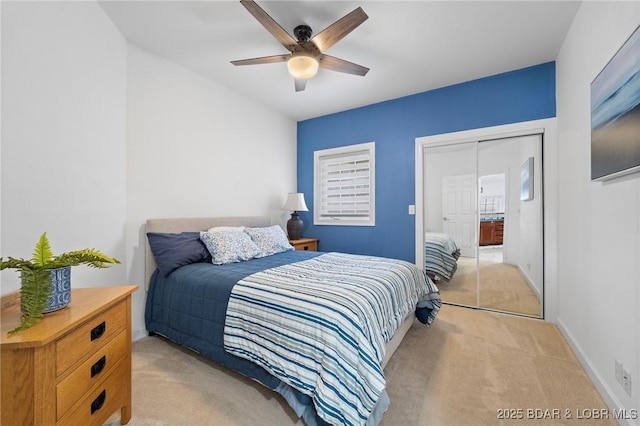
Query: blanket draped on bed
x,y
324,333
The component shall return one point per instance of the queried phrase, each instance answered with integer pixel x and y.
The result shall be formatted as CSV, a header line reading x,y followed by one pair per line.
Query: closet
x,y
487,194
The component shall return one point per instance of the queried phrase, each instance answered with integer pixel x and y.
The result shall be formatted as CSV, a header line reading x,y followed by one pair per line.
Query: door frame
x,y
548,129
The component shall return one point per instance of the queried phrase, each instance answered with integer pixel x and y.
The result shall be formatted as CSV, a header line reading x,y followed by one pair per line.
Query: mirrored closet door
x,y
487,197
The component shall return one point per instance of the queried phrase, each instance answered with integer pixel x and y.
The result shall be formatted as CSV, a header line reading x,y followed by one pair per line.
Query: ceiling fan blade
x,y
339,29
301,83
272,26
263,60
336,64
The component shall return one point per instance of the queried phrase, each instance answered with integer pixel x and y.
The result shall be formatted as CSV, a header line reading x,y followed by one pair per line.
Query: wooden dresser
x,y
73,367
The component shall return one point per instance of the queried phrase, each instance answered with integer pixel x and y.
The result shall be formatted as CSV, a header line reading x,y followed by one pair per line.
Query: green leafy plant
x,y
36,275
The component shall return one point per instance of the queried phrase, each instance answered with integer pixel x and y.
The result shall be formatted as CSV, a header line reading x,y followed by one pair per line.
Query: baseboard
x,y
138,334
601,385
533,288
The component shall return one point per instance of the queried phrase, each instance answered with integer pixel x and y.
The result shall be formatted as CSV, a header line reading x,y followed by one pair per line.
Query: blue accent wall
x,y
516,96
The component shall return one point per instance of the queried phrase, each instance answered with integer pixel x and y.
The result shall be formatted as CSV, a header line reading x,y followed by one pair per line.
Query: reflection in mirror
x,y
450,210
486,197
510,228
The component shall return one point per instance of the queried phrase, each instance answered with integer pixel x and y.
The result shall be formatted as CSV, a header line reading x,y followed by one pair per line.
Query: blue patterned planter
x,y
60,289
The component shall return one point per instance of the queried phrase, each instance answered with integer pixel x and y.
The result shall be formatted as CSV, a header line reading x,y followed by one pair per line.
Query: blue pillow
x,y
172,251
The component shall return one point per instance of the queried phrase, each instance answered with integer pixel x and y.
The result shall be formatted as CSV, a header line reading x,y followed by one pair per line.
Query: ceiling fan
x,y
307,53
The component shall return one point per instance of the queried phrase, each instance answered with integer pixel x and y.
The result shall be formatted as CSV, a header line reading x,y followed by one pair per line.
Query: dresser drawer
x,y
307,244
90,337
92,371
99,404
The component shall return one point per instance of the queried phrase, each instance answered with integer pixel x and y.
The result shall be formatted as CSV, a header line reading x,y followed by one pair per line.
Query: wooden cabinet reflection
x,y
491,232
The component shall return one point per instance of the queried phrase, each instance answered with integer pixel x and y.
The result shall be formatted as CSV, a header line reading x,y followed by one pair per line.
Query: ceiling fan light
x,y
302,66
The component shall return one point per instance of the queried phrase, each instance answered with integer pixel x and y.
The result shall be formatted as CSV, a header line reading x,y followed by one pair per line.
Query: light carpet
x,y
502,287
465,369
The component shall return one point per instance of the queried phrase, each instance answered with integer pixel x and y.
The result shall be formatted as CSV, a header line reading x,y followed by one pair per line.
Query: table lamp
x,y
295,202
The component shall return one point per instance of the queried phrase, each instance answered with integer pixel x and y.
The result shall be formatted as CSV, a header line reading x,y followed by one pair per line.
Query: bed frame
x,y
193,224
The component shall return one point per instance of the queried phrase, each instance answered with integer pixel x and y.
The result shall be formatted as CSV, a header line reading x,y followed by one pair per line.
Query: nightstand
x,y
73,367
309,244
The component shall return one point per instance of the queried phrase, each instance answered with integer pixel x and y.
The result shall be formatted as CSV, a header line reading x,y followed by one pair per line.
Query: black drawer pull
x,y
306,248
98,331
98,366
99,401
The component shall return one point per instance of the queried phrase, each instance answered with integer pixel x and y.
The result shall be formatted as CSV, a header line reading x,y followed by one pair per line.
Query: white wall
x,y
599,223
63,134
197,149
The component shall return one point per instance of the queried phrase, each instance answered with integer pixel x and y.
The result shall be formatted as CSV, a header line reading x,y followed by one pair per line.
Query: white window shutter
x,y
344,187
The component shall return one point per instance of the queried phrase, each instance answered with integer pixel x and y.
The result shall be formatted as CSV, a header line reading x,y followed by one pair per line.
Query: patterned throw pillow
x,y
229,246
270,240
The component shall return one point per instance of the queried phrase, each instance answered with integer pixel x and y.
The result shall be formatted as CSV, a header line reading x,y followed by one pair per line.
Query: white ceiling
x,y
410,46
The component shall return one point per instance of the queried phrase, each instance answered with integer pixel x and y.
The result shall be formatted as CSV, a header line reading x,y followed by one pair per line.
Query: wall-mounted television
x,y
615,114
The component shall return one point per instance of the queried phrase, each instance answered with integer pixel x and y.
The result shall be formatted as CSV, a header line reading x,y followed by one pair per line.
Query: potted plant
x,y
46,278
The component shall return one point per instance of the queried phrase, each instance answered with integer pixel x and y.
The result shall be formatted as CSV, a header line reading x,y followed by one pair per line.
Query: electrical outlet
x,y
618,371
626,381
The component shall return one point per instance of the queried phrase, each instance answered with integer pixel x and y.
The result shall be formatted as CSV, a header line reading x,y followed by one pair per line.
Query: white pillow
x,y
229,246
270,240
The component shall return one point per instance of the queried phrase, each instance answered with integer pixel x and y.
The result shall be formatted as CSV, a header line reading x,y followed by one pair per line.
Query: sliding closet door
x,y
450,188
487,195
510,213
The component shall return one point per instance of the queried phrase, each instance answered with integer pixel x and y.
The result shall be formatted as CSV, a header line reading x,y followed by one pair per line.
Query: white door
x,y
459,211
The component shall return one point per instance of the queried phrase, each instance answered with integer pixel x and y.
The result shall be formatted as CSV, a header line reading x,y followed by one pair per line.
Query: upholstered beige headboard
x,y
191,224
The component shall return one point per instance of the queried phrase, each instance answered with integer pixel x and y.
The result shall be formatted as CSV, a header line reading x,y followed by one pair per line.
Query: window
x,y
344,188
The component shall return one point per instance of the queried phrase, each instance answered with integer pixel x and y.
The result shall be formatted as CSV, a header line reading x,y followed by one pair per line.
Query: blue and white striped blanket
x,y
321,325
441,255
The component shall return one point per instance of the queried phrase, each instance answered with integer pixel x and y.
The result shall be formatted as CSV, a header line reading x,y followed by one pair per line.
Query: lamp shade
x,y
295,202
301,66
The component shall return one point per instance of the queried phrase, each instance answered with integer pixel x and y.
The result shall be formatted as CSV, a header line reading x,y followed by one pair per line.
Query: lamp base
x,y
294,227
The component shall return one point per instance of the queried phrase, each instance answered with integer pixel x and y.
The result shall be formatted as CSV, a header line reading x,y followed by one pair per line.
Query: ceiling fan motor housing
x,y
302,33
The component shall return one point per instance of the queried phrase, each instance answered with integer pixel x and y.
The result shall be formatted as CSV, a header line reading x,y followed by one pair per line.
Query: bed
x,y
441,256
286,319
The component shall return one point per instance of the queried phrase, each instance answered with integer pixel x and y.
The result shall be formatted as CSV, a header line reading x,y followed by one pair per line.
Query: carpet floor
x,y
502,287
471,367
